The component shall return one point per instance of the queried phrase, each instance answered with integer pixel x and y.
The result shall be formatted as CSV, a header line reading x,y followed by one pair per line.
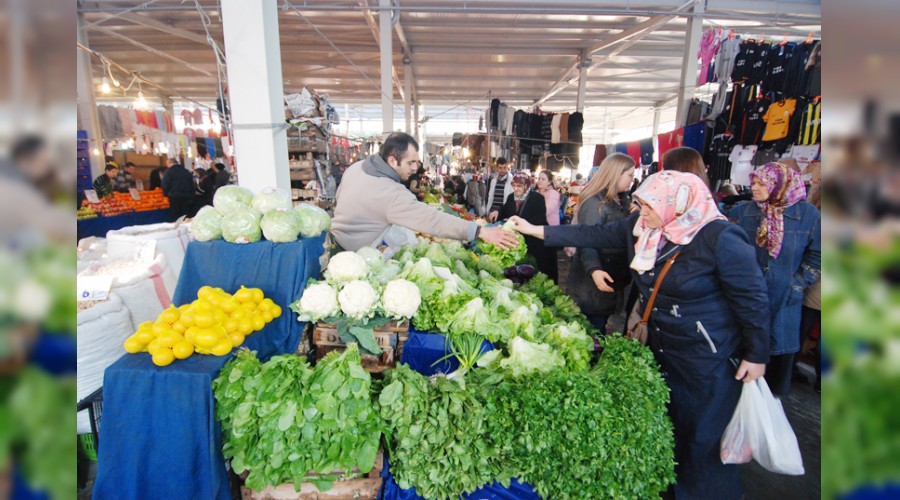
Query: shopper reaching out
x,y
705,318
373,204
529,205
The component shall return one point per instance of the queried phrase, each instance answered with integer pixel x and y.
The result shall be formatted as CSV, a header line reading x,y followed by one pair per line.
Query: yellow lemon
x,y
170,315
266,316
179,327
220,316
222,348
187,318
190,333
169,339
205,338
145,336
236,339
153,346
204,319
159,328
183,349
258,323
231,325
258,295
229,305
184,307
243,295
163,357
133,345
146,325
245,326
205,292
275,310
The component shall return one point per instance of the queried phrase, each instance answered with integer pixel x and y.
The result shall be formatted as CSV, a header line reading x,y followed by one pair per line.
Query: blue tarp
x,y
159,437
99,226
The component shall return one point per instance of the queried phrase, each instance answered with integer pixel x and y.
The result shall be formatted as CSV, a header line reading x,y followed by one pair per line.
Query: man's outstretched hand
x,y
500,237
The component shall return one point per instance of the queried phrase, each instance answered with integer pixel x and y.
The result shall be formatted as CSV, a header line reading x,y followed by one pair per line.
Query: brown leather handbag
x,y
637,324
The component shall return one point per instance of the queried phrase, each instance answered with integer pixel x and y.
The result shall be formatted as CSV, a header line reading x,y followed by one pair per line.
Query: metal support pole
x,y
416,121
407,92
688,80
387,62
582,82
88,119
253,53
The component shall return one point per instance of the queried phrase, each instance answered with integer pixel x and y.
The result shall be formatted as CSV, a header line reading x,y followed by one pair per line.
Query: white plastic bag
x,y
760,430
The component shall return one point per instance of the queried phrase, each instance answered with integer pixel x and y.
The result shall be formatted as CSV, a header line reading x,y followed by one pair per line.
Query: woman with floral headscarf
x,y
787,233
703,327
531,206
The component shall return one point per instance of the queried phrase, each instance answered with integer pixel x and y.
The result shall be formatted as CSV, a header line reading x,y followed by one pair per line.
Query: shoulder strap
x,y
662,274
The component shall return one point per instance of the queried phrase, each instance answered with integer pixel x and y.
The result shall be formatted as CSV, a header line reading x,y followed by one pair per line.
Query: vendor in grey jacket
x,y
372,201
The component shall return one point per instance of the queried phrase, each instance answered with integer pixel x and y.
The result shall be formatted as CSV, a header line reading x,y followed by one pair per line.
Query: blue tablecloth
x,y
421,352
56,353
159,437
99,226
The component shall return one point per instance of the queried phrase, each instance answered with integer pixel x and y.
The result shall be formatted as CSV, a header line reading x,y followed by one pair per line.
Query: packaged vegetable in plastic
x,y
280,226
271,199
230,198
207,224
313,220
241,226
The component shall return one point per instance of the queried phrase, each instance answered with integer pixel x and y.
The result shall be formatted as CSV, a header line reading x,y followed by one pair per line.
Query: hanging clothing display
x,y
778,120
709,45
814,68
669,140
795,78
752,123
646,148
720,149
765,155
741,159
810,131
725,58
599,154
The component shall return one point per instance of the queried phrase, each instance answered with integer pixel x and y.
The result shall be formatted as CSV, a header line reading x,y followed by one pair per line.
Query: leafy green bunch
x,y
598,433
282,419
502,257
437,435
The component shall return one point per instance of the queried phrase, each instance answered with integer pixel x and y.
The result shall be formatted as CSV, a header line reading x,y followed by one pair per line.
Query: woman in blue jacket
x,y
788,249
704,327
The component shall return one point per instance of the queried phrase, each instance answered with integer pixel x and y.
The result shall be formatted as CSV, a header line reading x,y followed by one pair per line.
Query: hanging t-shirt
x,y
188,117
564,127
741,158
576,125
804,155
758,67
810,124
720,149
744,61
198,116
814,69
776,63
709,44
669,140
695,136
778,119
795,78
554,128
763,156
752,123
724,63
646,146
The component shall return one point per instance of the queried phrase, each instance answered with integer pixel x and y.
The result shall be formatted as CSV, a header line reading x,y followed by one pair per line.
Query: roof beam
x,y
165,28
151,49
626,39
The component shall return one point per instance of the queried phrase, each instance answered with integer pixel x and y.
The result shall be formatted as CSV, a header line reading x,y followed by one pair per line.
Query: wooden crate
x,y
359,488
390,337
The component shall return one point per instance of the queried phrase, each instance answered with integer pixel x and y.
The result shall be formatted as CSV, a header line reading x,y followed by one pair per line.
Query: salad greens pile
x,y
282,419
505,258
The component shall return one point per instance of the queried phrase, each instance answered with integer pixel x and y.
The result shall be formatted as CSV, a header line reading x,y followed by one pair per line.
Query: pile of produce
x,y
505,258
107,207
150,200
600,433
239,216
282,419
360,292
214,324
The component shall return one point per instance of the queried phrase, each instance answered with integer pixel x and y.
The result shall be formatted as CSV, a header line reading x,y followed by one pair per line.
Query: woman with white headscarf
x,y
704,327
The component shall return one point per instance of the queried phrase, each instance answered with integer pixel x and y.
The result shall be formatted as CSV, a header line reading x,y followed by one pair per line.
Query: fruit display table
x,y
99,226
159,437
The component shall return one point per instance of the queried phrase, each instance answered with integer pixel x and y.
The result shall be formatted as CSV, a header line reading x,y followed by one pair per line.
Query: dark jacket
x,y
534,210
598,210
222,178
156,177
178,183
124,181
707,311
206,188
797,267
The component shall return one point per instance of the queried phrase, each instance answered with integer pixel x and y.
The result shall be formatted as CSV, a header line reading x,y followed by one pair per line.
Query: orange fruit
x,y
183,349
236,339
163,357
133,345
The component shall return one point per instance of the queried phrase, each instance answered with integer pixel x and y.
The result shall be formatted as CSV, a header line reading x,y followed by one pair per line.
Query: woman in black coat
x,y
708,329
529,205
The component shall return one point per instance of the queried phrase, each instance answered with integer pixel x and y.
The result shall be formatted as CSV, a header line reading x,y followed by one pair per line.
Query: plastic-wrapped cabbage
x,y
271,199
241,226
207,224
230,198
313,220
280,226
